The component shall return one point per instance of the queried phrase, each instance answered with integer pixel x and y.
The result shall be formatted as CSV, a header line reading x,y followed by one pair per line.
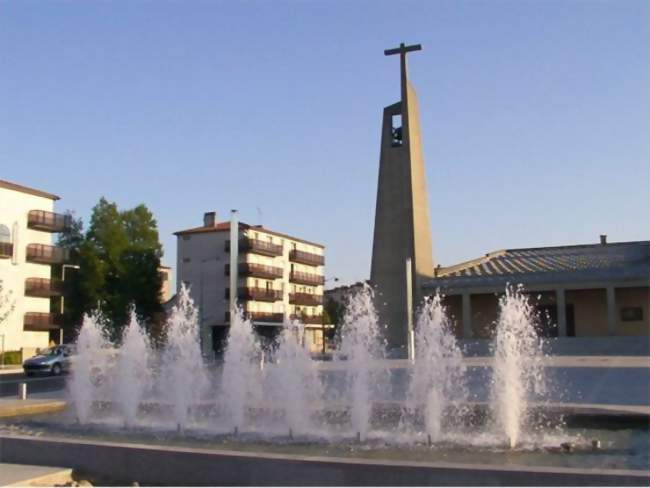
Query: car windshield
x,y
50,351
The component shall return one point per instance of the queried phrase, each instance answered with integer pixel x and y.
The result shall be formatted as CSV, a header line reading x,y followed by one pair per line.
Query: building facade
x,y
278,278
27,259
165,282
588,290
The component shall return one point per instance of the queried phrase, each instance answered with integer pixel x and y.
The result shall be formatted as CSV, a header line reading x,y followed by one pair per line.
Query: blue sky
x,y
535,115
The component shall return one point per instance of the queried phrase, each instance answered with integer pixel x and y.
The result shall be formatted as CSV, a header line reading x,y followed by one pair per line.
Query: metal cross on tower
x,y
402,50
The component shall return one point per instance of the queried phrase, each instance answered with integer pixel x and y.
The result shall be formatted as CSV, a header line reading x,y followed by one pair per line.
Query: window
x,y
396,131
186,260
5,233
631,314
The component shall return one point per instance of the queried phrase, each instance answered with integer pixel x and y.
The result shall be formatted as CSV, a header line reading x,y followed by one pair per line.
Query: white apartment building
x,y
279,277
27,253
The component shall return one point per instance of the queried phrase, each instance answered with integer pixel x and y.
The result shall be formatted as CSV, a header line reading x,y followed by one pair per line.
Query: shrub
x,y
11,357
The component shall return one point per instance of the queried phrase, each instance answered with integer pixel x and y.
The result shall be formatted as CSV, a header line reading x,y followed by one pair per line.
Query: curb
x,y
15,408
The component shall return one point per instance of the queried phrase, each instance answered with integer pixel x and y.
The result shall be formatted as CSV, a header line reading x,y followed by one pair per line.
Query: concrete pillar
x,y
560,300
467,316
611,310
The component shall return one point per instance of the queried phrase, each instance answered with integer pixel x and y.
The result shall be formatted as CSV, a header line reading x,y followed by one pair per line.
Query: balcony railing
x,y
48,221
305,299
259,294
306,258
39,321
43,287
266,317
261,317
306,278
44,254
6,250
309,319
256,270
248,244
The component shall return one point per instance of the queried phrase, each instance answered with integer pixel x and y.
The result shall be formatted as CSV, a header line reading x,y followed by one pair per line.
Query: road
x,y
38,384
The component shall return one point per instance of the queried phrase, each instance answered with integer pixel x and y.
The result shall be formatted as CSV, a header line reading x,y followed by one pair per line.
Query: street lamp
x,y
72,266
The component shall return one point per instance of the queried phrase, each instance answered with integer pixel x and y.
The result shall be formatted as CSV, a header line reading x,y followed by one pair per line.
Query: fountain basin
x,y
124,462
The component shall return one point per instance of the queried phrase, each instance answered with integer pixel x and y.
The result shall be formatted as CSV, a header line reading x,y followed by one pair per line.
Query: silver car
x,y
53,360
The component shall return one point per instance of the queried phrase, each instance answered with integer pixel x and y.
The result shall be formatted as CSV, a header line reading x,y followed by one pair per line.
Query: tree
x,y
118,258
334,311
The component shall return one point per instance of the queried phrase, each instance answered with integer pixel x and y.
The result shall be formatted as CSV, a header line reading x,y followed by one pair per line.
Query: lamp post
x,y
204,340
63,268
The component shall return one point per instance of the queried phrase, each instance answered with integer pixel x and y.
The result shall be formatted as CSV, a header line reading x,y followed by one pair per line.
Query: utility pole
x,y
410,340
234,255
63,268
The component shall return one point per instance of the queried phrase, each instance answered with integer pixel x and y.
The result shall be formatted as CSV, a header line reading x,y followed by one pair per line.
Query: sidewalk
x,y
11,369
26,475
12,407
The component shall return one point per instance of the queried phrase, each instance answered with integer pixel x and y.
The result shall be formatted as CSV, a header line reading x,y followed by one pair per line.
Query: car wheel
x,y
56,369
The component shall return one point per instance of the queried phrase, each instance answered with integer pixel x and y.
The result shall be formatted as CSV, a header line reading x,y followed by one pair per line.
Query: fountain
x,y
294,394
437,376
358,404
132,372
362,349
90,367
294,379
240,381
517,372
182,371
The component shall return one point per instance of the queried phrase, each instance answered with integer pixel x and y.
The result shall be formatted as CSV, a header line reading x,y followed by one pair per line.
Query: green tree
x,y
334,311
118,260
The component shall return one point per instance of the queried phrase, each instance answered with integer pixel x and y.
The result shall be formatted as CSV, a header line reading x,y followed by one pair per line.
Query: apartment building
x,y
278,277
27,257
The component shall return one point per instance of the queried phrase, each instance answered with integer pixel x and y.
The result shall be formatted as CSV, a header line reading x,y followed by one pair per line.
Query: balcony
x,y
306,278
44,254
256,270
309,319
259,294
248,244
6,250
306,258
261,317
48,221
39,321
43,287
305,299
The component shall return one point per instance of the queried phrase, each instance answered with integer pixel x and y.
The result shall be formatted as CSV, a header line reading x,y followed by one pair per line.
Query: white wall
x,y
14,207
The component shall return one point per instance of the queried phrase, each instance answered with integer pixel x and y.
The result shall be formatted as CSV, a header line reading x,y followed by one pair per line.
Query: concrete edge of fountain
x,y
15,407
201,466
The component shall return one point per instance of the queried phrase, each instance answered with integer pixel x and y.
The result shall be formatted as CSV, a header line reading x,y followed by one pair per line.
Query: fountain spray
x,y
437,377
518,371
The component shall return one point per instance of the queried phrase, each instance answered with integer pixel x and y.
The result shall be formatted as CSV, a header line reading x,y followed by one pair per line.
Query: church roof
x,y
595,261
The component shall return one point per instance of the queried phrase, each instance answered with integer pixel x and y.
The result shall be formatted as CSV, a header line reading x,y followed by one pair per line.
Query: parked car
x,y
53,360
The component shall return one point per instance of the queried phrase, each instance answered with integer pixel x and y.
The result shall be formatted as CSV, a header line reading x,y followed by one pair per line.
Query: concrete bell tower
x,y
402,225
